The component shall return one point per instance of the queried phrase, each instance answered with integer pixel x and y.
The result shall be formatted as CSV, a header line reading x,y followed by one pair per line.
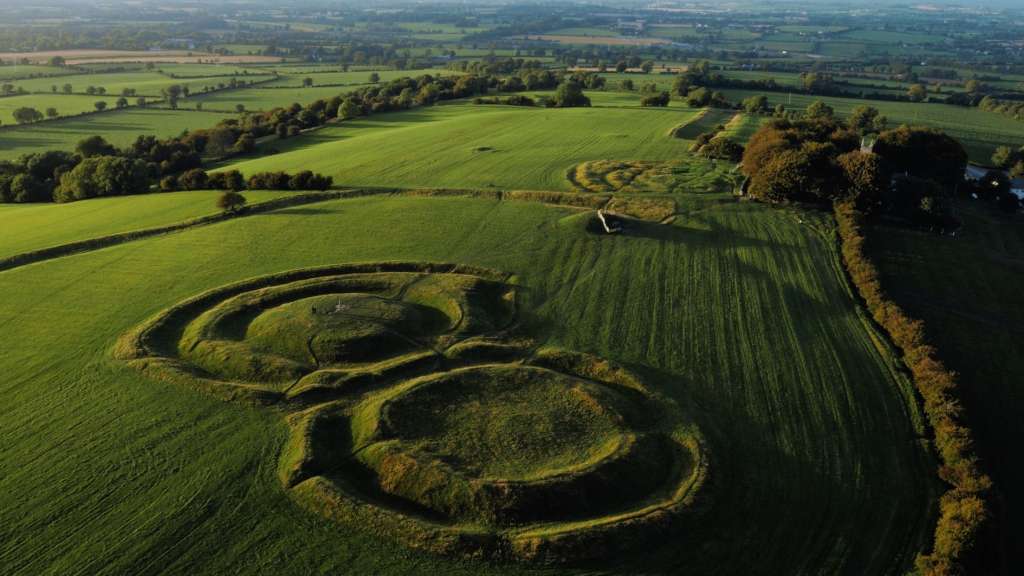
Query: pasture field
x,y
30,227
242,48
978,337
597,40
205,70
28,70
119,127
446,146
742,126
889,37
979,131
683,32
708,120
75,57
585,31
295,76
258,98
145,83
736,312
66,104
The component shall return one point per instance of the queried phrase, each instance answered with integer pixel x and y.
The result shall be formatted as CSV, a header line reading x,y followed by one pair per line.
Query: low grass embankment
x,y
964,509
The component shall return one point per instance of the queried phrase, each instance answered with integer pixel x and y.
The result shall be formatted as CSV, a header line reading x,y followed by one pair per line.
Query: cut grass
x,y
30,227
736,310
444,146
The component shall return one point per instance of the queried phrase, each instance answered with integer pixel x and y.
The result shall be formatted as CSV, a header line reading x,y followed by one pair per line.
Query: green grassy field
x,y
262,98
144,83
119,127
66,104
467,146
25,71
742,126
295,77
967,291
33,226
736,311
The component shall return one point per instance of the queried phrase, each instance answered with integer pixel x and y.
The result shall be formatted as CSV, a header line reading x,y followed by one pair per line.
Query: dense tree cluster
x,y
570,95
911,172
102,176
33,177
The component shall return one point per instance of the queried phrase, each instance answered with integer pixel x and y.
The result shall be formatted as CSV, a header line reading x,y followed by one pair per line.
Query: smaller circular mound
x,y
509,422
333,328
506,445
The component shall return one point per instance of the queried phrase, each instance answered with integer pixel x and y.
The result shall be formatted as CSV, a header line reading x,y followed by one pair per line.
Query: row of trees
x,y
1012,108
199,179
98,168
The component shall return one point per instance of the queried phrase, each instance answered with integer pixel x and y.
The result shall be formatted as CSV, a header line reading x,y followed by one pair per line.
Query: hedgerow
x,y
964,509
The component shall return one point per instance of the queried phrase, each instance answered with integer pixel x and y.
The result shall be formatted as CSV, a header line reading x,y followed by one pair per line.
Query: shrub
x,y
655,100
864,180
231,201
169,183
269,181
93,146
722,148
195,179
227,180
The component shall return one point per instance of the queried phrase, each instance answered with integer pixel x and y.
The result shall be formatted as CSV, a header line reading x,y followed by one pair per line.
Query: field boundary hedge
x,y
90,244
965,507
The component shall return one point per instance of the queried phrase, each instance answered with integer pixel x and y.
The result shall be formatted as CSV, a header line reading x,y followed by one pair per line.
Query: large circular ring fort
x,y
421,411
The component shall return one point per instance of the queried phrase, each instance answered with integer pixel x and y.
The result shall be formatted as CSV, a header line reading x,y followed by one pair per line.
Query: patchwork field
x,y
714,314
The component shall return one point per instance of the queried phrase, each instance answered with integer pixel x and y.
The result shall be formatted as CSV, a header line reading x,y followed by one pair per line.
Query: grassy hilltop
x,y
737,309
